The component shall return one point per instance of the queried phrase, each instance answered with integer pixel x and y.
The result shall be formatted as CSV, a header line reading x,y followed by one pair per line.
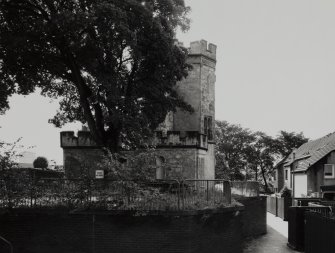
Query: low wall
x,y
54,232
254,216
245,188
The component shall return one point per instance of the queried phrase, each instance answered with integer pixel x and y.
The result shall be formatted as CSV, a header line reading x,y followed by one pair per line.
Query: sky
x,y
275,71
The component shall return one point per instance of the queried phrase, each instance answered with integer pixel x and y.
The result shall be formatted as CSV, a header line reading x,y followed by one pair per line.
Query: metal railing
x,y
115,195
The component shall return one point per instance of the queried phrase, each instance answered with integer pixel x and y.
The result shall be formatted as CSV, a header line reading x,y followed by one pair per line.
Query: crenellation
x,y
177,138
201,48
68,139
84,139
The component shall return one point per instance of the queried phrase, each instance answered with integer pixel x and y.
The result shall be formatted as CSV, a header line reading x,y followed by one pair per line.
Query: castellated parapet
x,y
170,139
200,48
180,139
83,139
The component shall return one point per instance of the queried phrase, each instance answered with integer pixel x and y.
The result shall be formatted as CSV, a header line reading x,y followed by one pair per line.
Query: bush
x,y
285,192
41,162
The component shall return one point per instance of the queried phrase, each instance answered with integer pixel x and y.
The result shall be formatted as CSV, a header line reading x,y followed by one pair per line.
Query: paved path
x,y
274,241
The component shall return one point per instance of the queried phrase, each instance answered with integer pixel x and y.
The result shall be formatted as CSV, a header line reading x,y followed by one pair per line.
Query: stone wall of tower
x,y
181,141
198,89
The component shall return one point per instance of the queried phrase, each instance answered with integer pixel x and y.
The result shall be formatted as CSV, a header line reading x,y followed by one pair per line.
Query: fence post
x,y
207,190
178,195
31,193
227,191
276,206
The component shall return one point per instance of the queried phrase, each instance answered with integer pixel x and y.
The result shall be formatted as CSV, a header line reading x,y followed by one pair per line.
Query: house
x,y
184,142
278,176
308,167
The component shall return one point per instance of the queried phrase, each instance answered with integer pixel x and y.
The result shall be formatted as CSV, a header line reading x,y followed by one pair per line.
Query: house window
x,y
275,176
286,174
208,127
329,171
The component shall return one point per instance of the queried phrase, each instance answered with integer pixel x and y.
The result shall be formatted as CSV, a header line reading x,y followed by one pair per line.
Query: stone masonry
x,y
185,142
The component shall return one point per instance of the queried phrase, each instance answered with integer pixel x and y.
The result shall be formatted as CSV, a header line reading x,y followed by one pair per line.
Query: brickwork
x,y
88,233
194,231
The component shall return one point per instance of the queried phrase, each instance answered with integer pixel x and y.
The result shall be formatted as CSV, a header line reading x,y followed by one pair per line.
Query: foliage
x,y
244,154
287,141
232,142
138,166
41,162
285,192
261,156
114,63
13,183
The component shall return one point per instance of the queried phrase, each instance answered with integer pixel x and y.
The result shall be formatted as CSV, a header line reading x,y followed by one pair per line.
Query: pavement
x,y
274,241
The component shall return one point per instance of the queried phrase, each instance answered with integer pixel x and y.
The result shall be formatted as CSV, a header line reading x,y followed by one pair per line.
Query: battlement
x,y
161,139
179,139
200,48
84,139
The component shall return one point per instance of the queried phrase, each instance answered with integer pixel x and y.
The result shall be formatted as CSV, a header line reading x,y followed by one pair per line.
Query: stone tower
x,y
198,89
184,141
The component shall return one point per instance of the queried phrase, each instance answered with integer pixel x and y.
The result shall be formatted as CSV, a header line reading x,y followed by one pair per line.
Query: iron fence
x,y
115,195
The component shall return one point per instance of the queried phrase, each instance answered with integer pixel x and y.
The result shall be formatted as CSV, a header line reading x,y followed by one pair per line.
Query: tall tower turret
x,y
198,89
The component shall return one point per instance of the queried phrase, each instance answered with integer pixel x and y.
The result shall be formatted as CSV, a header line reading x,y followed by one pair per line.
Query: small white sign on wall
x,y
99,174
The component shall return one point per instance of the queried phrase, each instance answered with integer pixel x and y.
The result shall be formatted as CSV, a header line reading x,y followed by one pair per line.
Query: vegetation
x,y
13,184
41,162
113,63
244,154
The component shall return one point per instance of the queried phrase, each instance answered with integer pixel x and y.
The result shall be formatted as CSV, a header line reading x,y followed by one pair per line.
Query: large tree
x,y
261,156
232,145
114,63
244,154
287,141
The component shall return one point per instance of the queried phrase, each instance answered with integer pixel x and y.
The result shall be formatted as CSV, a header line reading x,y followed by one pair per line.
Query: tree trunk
x,y
264,178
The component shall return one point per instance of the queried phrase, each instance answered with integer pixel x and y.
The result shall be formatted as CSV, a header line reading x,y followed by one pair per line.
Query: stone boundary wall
x,y
54,232
245,188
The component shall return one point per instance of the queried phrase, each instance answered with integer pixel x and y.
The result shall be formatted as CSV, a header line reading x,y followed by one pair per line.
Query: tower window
x,y
208,126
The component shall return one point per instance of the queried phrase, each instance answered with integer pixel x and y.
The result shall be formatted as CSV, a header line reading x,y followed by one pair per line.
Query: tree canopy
x,y
244,154
113,63
287,141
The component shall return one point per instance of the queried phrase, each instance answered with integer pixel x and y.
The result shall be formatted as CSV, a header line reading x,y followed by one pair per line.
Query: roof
x,y
281,162
311,152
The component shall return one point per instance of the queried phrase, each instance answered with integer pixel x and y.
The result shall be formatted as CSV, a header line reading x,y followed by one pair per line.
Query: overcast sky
x,y
275,71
